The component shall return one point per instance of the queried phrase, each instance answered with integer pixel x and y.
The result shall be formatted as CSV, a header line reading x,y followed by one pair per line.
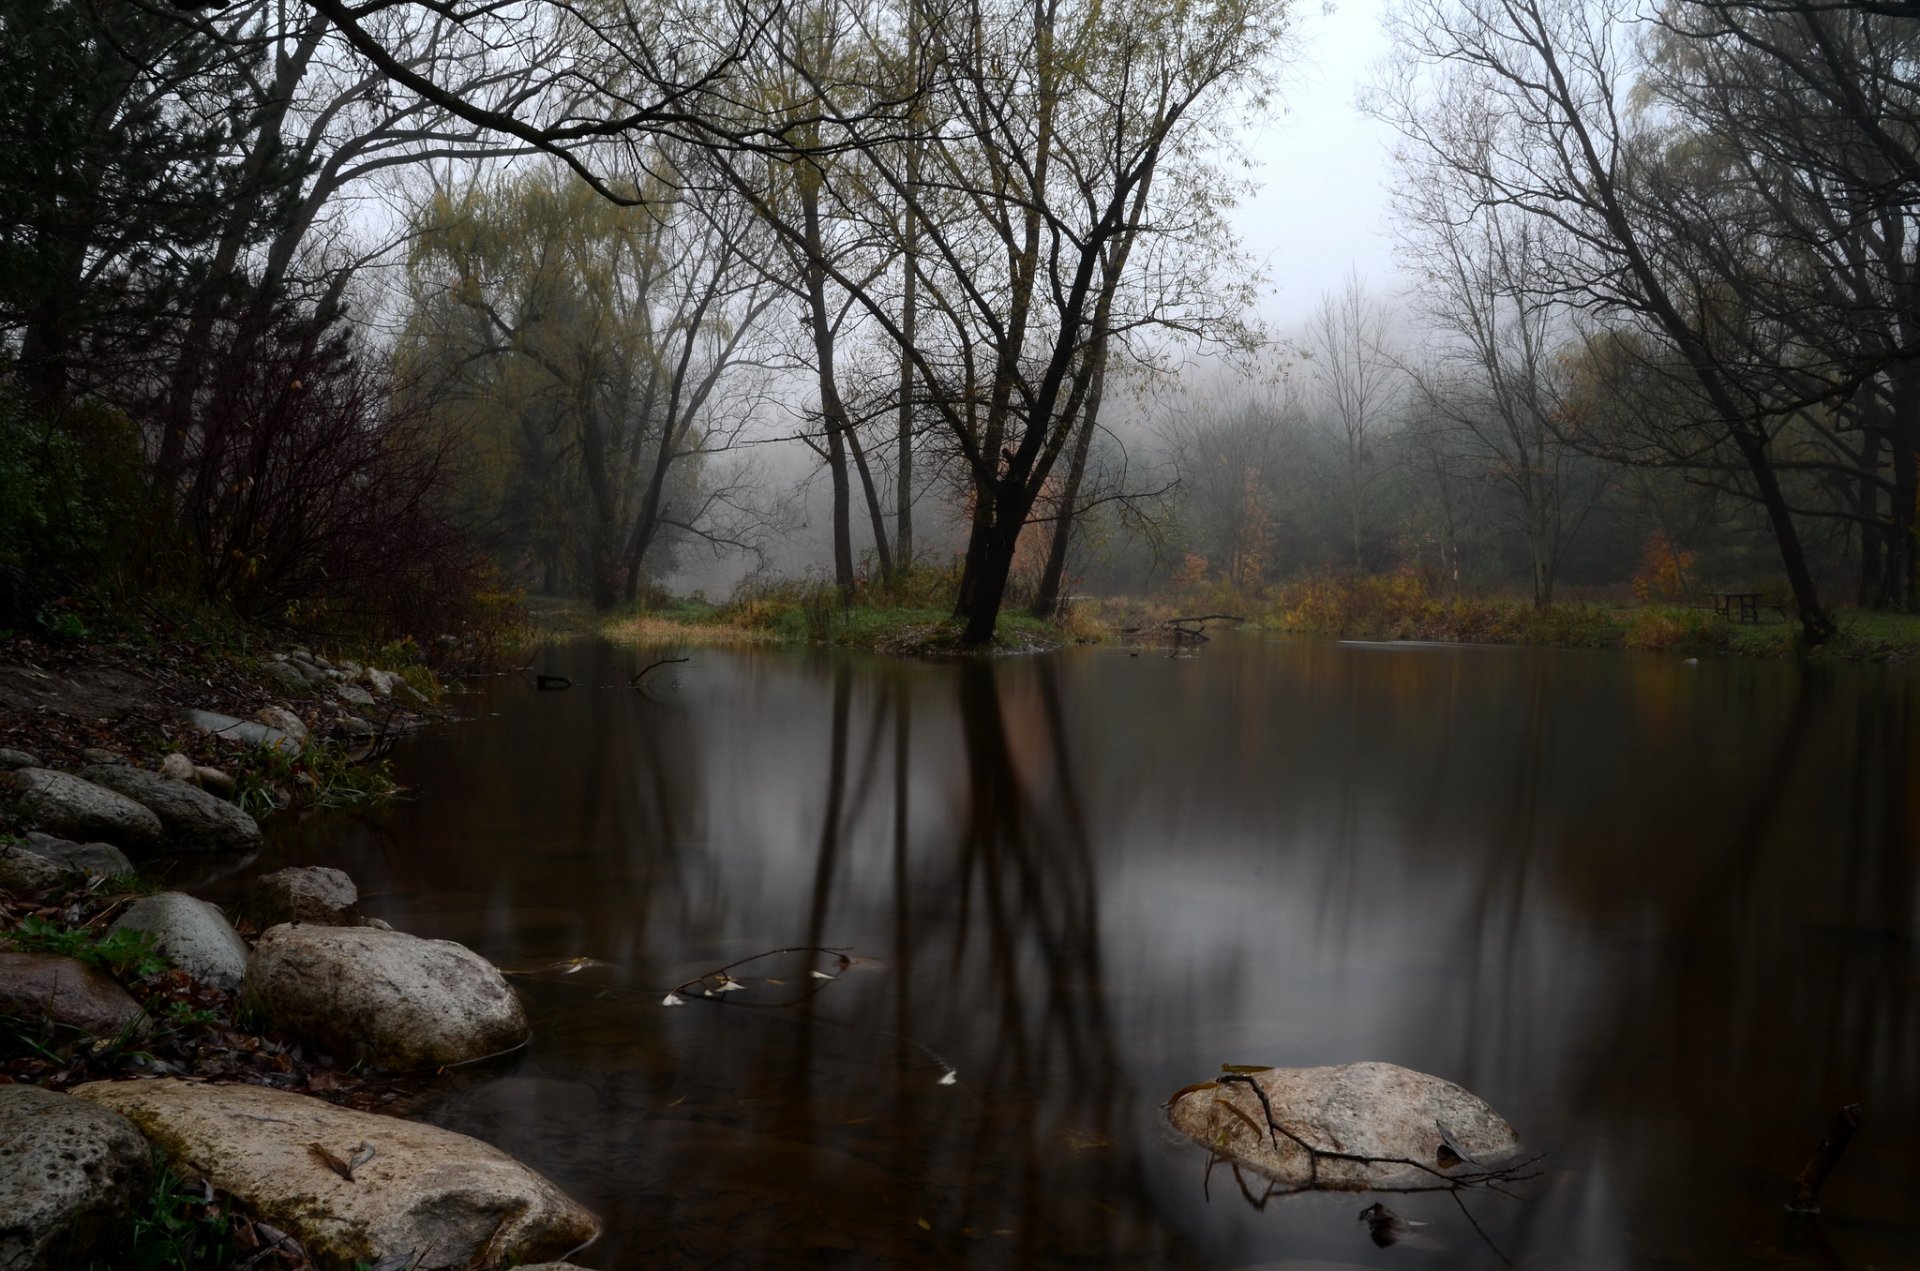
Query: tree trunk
x,y
1046,604
833,413
1816,628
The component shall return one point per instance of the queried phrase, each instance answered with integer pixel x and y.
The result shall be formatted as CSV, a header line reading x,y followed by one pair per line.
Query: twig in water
x,y
635,677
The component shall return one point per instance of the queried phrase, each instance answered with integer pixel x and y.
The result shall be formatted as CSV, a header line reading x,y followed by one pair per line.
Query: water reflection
x,y
1663,918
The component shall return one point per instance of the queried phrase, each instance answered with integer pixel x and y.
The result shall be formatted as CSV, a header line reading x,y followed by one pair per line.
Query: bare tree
x,y
1360,383
1492,380
1528,100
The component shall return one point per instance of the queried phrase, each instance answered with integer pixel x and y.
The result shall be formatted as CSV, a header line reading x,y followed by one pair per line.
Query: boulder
x,y
89,858
45,989
74,1172
11,759
311,893
215,781
384,997
420,1192
286,675
354,695
379,681
177,767
75,808
313,674
1412,1129
193,933
245,731
354,726
100,754
195,821
25,870
285,720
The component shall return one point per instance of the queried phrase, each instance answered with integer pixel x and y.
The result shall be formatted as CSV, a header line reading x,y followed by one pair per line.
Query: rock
x,y
401,686
103,859
311,893
98,755
312,673
11,759
195,934
79,809
89,858
74,1172
354,726
378,924
422,1192
215,781
349,668
286,675
285,720
23,870
195,821
1373,1110
46,989
242,730
384,997
177,767
354,694
379,681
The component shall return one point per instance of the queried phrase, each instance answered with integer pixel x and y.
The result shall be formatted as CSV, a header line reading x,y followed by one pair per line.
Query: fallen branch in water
x,y
725,983
635,677
1806,1187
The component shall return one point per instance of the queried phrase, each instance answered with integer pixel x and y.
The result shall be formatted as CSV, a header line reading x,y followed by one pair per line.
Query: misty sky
x,y
1322,205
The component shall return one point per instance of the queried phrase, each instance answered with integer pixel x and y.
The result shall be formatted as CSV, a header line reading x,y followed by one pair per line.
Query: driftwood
x,y
1806,1186
1188,628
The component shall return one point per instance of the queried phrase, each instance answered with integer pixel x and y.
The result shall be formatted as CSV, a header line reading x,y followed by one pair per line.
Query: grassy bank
x,y
801,615
1366,608
1400,608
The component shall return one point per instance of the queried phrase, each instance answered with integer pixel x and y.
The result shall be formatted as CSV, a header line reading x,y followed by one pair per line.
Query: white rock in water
x,y
384,997
419,1192
1412,1129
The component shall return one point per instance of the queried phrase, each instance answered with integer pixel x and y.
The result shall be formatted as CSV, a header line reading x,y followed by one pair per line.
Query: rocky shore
x,y
167,1067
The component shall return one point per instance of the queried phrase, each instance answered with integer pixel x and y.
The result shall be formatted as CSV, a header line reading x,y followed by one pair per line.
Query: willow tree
x,y
586,346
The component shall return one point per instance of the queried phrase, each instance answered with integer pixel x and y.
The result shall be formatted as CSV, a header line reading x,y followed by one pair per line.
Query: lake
x,y
1661,917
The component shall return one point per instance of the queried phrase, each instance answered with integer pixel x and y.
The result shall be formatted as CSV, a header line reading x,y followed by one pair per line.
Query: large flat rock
x,y
1349,1127
75,808
71,1172
194,821
423,1192
384,997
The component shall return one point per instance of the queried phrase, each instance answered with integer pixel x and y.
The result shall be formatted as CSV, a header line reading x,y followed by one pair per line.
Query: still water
x,y
1663,918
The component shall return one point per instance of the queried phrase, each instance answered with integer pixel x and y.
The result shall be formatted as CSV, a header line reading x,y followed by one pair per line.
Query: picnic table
x,y
1737,606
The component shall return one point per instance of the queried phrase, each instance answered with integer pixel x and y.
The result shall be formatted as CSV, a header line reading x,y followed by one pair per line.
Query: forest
x,y
347,315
